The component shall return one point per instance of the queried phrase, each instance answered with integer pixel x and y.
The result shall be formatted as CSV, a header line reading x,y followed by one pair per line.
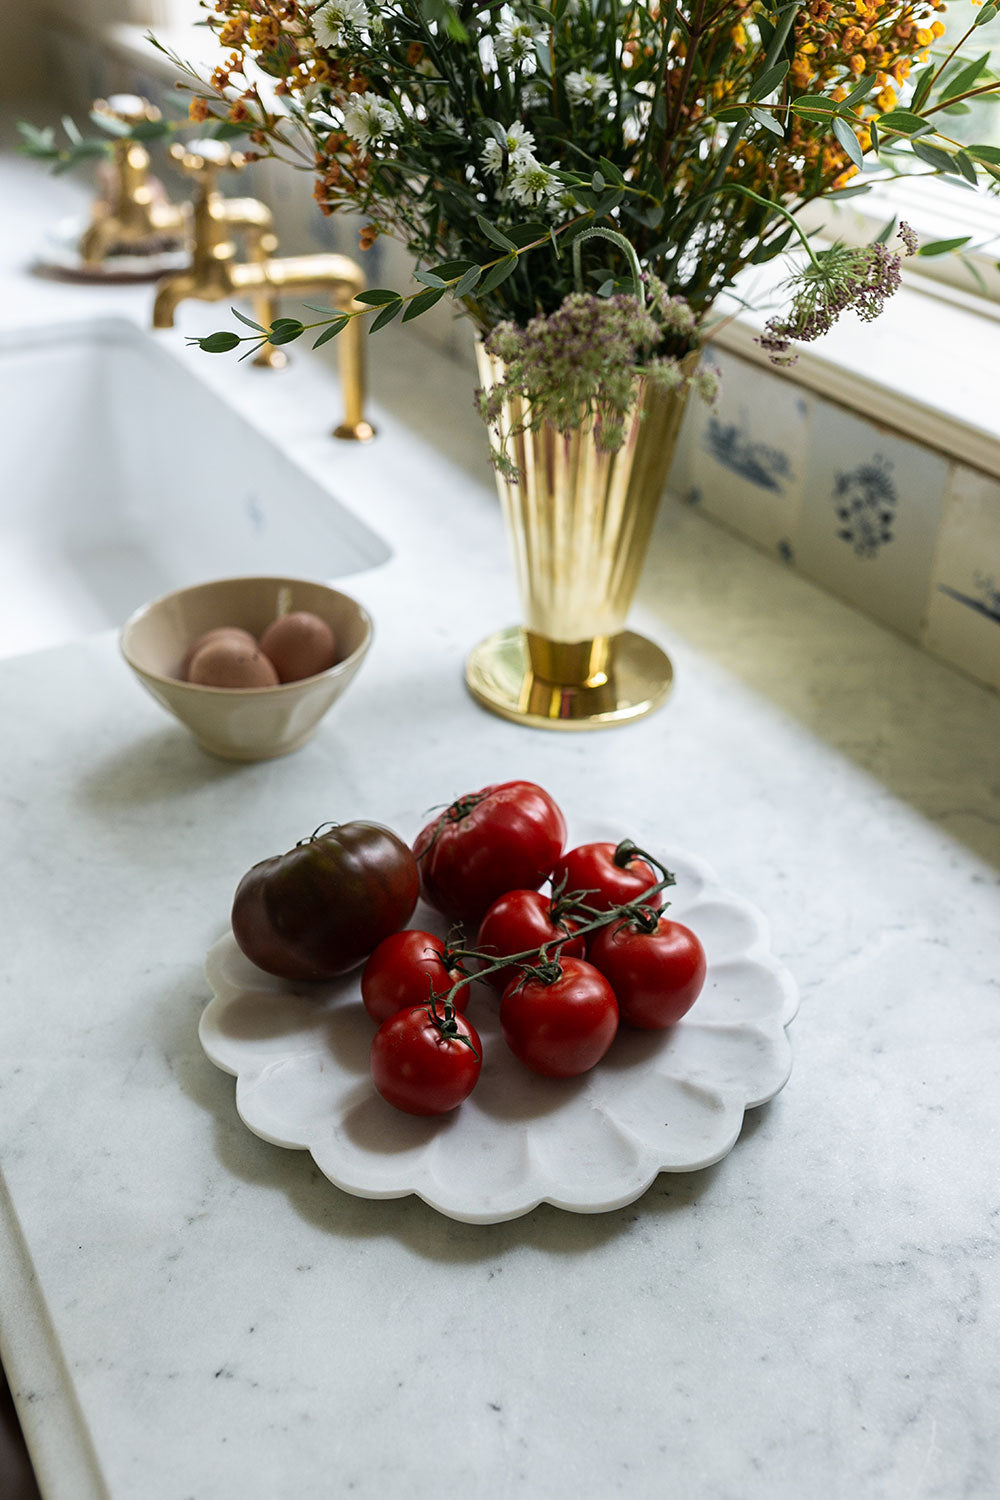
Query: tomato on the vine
x,y
656,971
425,1063
503,838
406,969
607,878
561,1019
522,920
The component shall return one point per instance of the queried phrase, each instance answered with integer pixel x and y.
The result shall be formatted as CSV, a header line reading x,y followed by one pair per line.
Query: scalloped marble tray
x,y
659,1102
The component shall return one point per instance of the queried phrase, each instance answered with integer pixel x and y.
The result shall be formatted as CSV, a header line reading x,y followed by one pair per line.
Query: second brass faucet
x,y
215,274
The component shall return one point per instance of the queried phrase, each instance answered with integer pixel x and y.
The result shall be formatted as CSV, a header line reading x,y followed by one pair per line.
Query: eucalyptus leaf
x,y
922,87
390,311
860,91
498,274
494,234
286,334
219,343
933,156
966,167
468,282
421,303
257,327
768,81
768,122
902,120
337,326
943,247
814,107
845,135
967,77
377,296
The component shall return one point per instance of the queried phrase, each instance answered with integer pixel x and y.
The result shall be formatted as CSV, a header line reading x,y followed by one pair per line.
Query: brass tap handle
x,y
130,109
202,159
133,212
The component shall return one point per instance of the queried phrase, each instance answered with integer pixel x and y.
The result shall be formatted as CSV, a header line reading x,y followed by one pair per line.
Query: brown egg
x,y
225,663
299,645
221,632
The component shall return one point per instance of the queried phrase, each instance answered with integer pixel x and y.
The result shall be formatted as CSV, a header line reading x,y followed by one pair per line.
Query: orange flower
x,y
198,111
232,32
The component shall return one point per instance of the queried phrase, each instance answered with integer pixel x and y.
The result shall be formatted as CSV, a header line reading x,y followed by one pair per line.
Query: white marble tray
x,y
659,1102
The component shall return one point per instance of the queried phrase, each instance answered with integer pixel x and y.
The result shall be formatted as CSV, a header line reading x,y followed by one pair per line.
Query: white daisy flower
x,y
520,144
367,117
586,86
529,182
329,21
515,40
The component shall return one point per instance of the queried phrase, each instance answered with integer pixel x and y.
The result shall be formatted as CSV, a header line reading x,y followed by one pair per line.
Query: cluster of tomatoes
x,y
569,965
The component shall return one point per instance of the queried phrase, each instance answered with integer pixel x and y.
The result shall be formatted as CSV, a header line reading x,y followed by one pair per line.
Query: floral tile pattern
x,y
748,452
871,516
963,607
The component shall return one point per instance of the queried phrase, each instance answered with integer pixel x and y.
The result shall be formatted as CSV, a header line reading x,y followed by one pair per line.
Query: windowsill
x,y
927,367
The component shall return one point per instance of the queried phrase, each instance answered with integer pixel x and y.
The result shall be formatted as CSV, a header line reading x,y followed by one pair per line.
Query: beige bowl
x,y
243,723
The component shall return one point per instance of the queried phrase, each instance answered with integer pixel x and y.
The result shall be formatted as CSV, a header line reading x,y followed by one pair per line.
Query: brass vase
x,y
579,522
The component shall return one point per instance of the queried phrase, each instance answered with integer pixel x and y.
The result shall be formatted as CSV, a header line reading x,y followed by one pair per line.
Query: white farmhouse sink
x,y
123,477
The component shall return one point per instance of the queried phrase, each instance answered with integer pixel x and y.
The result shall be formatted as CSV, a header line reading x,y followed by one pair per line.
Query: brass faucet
x,y
134,212
215,274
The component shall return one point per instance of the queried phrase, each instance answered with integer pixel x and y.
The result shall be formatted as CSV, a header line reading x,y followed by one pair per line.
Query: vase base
x,y
498,675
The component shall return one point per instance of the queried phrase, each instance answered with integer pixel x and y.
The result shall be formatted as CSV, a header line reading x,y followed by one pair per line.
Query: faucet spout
x,y
308,275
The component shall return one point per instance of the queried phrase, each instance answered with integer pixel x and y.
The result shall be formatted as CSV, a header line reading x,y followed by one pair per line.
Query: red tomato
x,y
593,871
657,976
504,838
405,970
519,921
424,1064
562,1027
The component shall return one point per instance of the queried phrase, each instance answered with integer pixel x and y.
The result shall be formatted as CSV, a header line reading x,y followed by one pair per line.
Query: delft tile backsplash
x,y
908,536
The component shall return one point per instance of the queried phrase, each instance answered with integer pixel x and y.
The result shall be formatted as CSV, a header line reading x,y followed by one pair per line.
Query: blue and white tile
x,y
871,515
748,453
962,622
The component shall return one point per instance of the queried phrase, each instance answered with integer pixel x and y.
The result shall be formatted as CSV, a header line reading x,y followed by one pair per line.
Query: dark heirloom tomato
x,y
520,920
504,838
657,975
320,909
405,970
608,882
423,1063
561,1027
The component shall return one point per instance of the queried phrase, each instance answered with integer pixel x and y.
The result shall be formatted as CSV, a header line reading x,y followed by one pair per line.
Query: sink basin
x,y
125,477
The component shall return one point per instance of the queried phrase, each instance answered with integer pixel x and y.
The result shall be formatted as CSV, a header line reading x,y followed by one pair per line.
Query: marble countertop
x,y
192,1314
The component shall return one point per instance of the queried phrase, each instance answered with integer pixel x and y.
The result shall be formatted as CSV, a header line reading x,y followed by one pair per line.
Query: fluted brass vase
x,y
579,522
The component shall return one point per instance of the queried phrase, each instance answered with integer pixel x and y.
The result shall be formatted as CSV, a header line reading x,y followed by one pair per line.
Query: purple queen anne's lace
x,y
858,279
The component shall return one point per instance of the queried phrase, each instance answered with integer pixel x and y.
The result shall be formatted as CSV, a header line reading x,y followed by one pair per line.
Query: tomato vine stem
x,y
543,961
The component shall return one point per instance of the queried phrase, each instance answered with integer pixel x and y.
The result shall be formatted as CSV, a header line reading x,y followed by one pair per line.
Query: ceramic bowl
x,y
243,723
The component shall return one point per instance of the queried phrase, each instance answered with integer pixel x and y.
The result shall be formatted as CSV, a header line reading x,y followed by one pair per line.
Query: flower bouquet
x,y
584,179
